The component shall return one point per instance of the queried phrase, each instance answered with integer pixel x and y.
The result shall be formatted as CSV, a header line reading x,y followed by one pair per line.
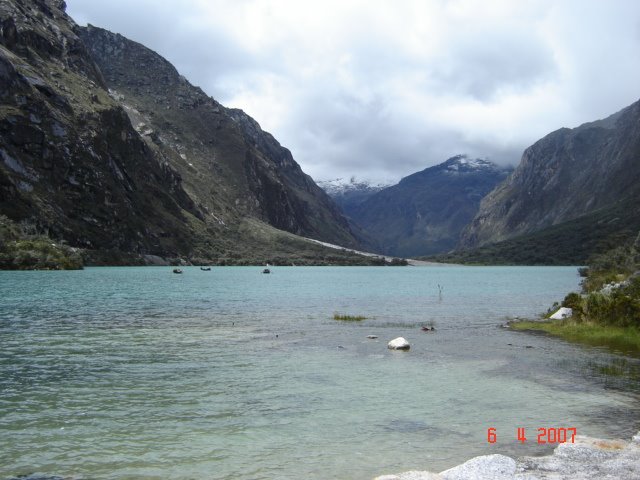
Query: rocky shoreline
x,y
586,459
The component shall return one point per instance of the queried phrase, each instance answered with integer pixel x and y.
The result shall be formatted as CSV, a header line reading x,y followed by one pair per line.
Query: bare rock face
x,y
587,458
565,175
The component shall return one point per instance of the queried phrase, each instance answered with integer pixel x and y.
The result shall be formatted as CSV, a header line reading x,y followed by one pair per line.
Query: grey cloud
x,y
482,67
370,144
379,109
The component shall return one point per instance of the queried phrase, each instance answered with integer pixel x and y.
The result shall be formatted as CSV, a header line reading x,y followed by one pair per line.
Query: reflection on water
x,y
138,373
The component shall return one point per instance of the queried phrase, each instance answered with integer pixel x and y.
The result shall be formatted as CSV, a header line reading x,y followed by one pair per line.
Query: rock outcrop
x,y
562,313
586,459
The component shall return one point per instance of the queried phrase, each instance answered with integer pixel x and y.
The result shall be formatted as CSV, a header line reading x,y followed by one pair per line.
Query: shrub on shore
x,y
22,251
610,290
38,254
607,312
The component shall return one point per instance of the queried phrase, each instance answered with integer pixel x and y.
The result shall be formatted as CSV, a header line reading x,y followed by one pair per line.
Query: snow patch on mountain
x,y
464,164
345,186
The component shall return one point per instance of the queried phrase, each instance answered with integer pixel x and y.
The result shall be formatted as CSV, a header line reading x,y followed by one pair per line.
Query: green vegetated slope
x,y
569,243
261,244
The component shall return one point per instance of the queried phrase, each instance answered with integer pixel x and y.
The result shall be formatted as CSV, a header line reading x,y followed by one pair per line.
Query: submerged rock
x,y
399,343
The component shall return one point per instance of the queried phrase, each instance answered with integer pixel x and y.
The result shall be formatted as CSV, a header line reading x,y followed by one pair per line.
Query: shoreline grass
x,y
348,318
624,340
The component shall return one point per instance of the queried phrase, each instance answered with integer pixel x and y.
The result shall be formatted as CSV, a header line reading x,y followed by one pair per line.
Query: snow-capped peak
x,y
464,163
339,186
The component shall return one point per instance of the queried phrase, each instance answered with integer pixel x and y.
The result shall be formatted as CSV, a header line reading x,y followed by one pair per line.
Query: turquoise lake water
x,y
113,373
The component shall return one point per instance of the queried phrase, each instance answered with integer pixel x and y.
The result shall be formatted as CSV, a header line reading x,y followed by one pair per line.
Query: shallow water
x,y
140,373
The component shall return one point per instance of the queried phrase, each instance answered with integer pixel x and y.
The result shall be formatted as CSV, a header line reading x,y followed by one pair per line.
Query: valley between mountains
x,y
110,157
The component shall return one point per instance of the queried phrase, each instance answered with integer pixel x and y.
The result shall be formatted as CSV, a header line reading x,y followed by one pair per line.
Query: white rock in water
x,y
399,343
562,312
494,467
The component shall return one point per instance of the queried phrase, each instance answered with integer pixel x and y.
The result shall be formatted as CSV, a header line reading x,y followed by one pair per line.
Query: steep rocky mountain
x,y
425,212
72,164
567,175
350,193
105,146
229,165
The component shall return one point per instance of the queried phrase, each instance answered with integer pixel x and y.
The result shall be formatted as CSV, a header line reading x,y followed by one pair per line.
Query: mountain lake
x,y
114,373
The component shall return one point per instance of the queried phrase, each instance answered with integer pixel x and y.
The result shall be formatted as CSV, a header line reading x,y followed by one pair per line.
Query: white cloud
x,y
382,89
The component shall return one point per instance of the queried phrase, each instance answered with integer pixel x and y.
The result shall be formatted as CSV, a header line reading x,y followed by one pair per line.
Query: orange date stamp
x,y
545,435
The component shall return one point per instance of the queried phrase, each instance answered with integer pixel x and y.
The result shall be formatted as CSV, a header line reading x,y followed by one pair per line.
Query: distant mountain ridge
x,y
564,176
426,211
350,193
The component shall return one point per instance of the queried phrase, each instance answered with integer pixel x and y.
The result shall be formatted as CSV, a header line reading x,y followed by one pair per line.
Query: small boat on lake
x,y
266,270
205,269
177,270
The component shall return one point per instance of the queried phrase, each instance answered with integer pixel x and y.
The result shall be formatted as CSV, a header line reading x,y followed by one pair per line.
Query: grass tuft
x,y
622,339
348,318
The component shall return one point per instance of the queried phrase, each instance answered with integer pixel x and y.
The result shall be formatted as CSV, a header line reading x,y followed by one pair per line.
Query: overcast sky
x,y
381,89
